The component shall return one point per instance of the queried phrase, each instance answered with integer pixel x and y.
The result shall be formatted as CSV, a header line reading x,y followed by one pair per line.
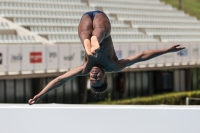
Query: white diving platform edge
x,y
66,118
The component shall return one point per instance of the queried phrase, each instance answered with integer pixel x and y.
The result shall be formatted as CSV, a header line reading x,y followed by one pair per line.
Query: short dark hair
x,y
100,89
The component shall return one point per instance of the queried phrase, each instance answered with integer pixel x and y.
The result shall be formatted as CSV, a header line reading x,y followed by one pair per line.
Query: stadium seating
x,y
165,25
133,17
45,1
127,4
4,25
157,31
58,20
133,38
64,38
140,24
180,38
25,5
142,11
54,30
73,30
13,39
121,30
40,14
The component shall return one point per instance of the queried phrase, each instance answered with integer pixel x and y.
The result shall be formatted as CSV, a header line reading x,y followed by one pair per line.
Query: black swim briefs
x,y
93,13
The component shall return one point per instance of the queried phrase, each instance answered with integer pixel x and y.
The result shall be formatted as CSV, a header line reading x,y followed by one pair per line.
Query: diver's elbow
x,y
58,80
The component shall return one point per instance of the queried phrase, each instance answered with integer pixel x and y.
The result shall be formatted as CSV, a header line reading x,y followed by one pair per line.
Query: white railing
x,y
191,98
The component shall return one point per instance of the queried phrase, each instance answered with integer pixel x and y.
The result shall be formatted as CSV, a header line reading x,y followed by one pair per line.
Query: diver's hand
x,y
175,48
33,101
94,46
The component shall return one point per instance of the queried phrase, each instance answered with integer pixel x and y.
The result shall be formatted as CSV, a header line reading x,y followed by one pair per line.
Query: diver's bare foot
x,y
87,45
94,45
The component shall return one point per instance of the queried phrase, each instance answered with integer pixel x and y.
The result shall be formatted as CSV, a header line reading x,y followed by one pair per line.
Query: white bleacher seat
x,y
172,31
64,38
12,39
155,18
142,24
49,1
46,2
115,23
138,1
58,22
94,3
143,11
4,25
74,30
40,14
125,31
44,6
180,38
46,22
43,14
133,38
54,30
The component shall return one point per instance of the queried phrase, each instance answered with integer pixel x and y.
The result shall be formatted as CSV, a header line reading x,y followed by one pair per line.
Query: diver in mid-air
x,y
94,32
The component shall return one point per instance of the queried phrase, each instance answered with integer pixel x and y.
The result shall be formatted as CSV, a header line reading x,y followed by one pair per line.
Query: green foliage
x,y
191,7
175,98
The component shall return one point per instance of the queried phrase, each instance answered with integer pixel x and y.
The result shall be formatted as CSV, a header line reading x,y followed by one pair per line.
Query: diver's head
x,y
98,79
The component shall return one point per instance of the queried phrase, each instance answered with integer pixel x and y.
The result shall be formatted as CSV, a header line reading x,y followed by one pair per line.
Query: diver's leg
x,y
85,32
101,30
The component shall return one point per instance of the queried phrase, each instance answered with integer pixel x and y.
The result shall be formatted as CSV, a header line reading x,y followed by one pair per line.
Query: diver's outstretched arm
x,y
143,56
59,81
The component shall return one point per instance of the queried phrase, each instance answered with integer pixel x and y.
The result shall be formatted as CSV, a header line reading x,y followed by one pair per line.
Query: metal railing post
x,y
187,100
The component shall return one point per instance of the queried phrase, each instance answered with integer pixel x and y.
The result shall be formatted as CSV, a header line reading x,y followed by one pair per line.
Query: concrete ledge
x,y
51,118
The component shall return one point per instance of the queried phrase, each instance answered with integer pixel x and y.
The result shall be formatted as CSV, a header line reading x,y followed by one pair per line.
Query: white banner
x,y
38,57
78,55
26,62
152,62
160,59
177,58
125,48
52,57
185,54
65,57
118,51
3,58
194,53
82,54
134,49
169,57
14,58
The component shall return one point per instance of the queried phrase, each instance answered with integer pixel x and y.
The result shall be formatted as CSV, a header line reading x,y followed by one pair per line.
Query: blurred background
x,y
39,41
